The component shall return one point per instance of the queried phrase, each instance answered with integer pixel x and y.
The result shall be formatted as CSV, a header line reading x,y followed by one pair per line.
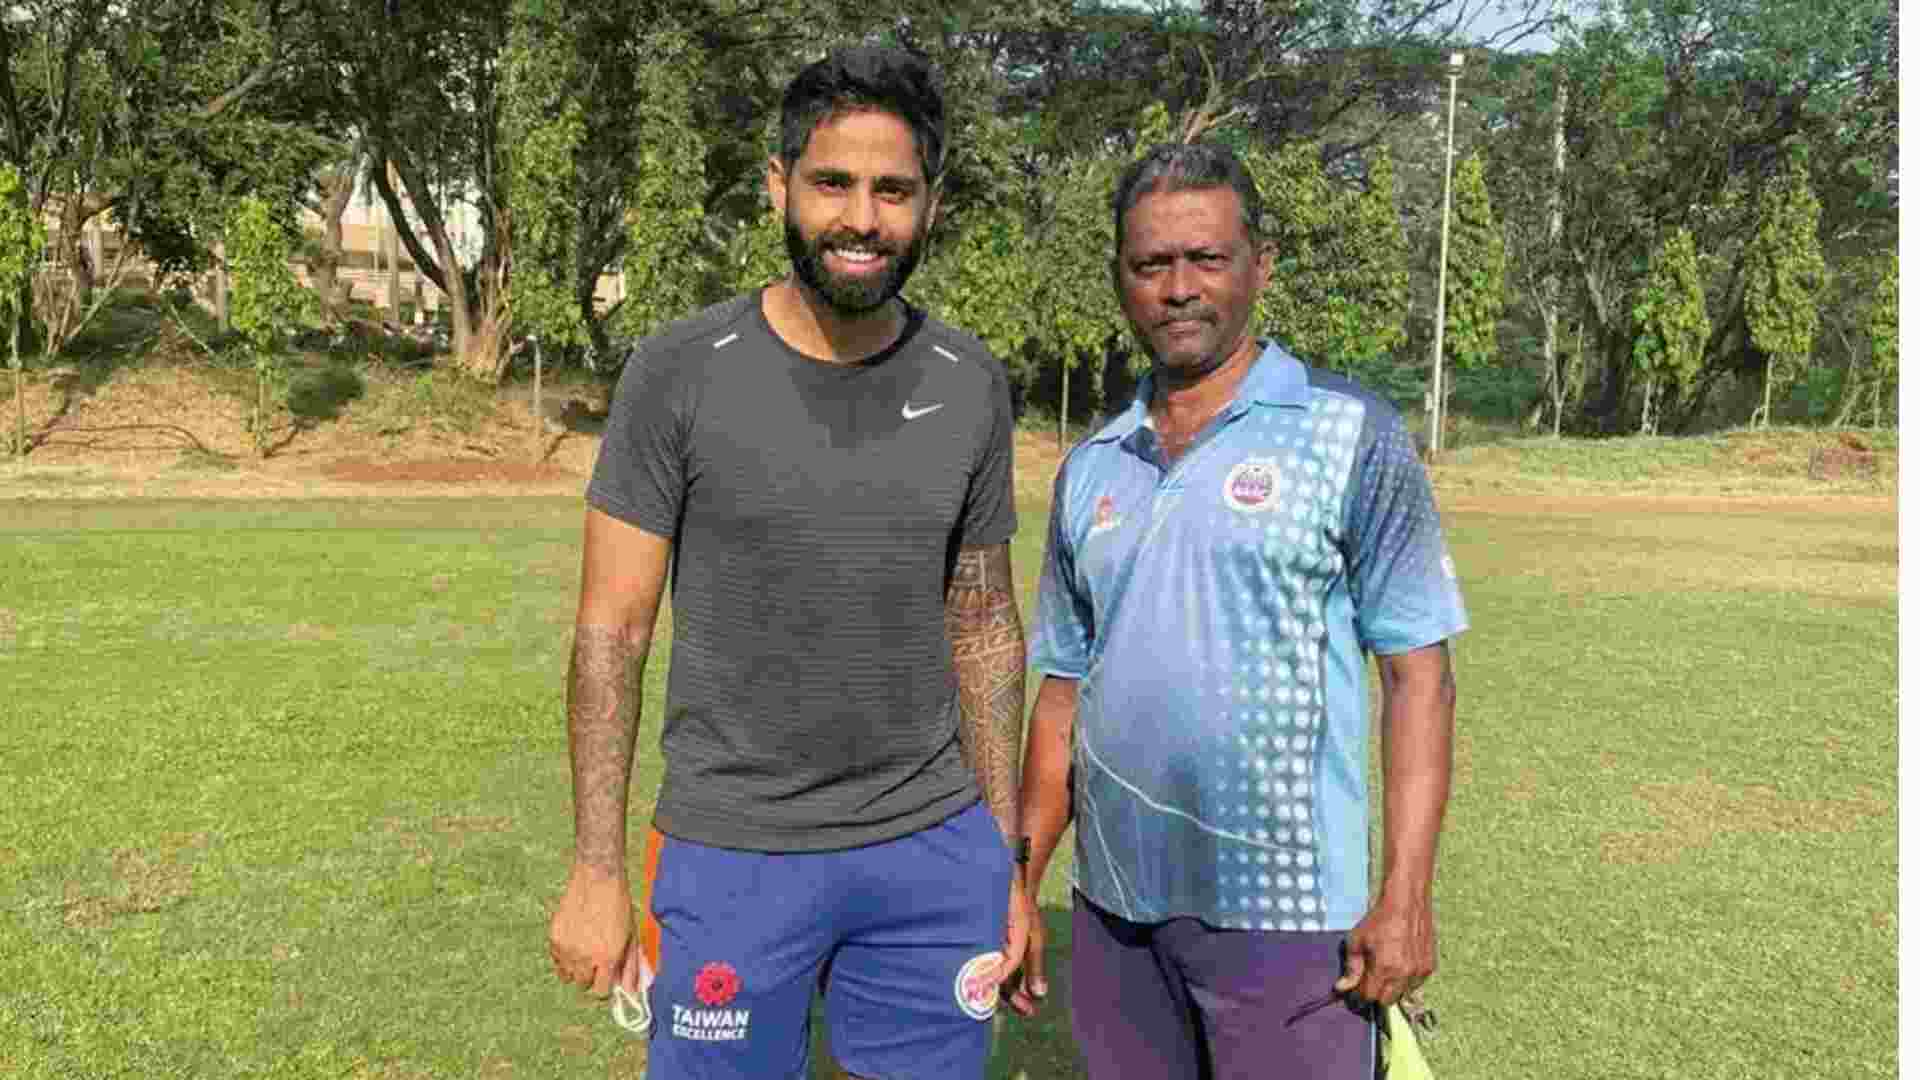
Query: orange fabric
x,y
649,926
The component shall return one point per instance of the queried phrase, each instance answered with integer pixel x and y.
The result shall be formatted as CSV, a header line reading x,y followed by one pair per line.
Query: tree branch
x,y
246,86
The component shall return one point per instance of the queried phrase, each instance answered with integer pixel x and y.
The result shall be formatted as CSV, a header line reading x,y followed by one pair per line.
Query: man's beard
x,y
846,294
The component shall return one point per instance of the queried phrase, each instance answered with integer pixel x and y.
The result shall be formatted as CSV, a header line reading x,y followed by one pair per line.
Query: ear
x,y
933,205
777,183
1263,260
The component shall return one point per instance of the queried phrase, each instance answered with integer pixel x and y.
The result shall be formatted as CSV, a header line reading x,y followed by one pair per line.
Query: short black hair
x,y
1194,166
861,78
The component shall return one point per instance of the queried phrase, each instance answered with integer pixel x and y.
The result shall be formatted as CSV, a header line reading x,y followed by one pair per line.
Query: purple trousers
x,y
1180,1000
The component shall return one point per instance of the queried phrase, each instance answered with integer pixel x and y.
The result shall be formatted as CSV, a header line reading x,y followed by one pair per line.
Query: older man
x,y
1223,557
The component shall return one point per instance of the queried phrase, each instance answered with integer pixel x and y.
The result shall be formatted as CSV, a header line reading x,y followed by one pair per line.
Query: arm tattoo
x,y
603,710
989,656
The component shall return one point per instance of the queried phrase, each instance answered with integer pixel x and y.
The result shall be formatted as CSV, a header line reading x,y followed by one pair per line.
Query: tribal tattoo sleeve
x,y
603,711
990,657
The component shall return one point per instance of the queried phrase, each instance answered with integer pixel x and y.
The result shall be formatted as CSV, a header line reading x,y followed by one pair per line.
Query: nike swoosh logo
x,y
908,412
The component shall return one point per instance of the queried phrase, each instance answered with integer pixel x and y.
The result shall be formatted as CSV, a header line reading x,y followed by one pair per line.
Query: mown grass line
x,y
287,795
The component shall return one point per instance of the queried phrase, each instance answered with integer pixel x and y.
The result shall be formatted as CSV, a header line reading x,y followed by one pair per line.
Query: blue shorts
x,y
903,932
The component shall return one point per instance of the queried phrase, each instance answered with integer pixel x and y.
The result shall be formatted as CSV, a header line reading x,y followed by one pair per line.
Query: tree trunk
x,y
1646,410
1556,223
1852,398
1763,417
539,412
390,245
1066,384
477,309
19,398
70,247
336,194
261,441
220,285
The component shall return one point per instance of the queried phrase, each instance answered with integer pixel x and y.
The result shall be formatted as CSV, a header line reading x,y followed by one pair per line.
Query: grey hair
x,y
1194,166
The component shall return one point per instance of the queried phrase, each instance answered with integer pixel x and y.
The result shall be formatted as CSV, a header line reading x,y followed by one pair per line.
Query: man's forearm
x,y
1046,794
989,657
1417,742
603,711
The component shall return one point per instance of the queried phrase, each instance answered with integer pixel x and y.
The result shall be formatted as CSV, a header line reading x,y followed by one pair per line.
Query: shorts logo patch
x,y
1105,516
1253,485
975,989
716,986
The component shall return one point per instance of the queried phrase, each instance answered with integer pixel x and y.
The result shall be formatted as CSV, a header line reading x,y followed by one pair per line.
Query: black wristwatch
x,y
1022,850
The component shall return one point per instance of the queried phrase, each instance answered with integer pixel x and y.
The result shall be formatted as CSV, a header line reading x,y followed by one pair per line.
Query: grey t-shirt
x,y
815,510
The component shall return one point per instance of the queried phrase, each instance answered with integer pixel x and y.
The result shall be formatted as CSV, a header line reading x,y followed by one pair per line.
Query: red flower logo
x,y
716,985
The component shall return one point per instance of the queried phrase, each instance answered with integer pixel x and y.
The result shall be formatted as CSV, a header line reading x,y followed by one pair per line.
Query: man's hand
x,y
1390,953
1022,918
1026,993
591,938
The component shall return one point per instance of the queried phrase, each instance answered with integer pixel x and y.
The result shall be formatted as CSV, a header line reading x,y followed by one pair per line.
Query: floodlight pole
x,y
1454,63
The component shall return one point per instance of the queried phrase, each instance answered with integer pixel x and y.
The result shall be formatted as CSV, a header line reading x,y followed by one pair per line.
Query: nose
x,y
1182,284
859,213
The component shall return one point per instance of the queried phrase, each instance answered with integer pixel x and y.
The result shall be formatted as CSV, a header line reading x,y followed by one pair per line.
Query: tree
x,y
1476,276
1339,291
157,112
1884,332
544,124
1676,113
22,237
268,301
1786,273
334,186
1075,316
422,81
662,200
1670,314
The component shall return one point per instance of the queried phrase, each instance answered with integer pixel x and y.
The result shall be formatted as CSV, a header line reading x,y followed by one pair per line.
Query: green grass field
x,y
286,795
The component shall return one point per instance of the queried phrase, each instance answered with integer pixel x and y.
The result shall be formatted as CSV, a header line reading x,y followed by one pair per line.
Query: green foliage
x,y
1075,313
1670,313
1339,290
544,127
268,302
22,236
982,280
1476,270
668,180
1883,330
1786,274
756,253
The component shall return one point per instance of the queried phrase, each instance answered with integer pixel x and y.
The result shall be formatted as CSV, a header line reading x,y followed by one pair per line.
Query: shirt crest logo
x,y
1105,516
1253,485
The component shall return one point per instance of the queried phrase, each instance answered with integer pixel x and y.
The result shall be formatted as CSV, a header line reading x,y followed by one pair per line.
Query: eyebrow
x,y
899,180
1169,254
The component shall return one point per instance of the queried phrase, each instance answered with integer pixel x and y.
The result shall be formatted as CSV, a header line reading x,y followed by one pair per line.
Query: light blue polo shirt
x,y
1218,616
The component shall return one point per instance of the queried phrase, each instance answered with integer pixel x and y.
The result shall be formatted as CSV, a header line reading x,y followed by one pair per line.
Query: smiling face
x,y
1188,275
857,206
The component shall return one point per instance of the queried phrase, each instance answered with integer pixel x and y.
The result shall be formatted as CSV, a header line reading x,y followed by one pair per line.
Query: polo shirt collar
x,y
1277,378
